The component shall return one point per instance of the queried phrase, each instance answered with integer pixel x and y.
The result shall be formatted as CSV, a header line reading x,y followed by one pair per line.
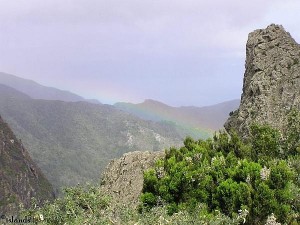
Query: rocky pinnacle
x,y
271,85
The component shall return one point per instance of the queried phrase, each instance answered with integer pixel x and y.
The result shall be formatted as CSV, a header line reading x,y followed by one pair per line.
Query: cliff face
x,y
271,84
20,178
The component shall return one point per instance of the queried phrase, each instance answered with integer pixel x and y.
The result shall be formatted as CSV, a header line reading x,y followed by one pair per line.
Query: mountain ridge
x,y
209,118
38,91
72,142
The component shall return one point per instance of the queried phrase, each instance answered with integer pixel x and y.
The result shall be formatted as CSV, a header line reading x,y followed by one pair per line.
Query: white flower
x,y
272,220
265,173
189,159
248,179
160,172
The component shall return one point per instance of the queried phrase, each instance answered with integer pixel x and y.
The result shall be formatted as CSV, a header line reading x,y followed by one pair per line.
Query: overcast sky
x,y
181,52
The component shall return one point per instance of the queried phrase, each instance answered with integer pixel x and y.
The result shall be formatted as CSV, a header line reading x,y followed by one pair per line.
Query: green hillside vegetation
x,y
222,180
259,176
87,205
72,142
185,130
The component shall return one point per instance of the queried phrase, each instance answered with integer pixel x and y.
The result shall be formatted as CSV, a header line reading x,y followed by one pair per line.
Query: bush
x,y
79,205
228,175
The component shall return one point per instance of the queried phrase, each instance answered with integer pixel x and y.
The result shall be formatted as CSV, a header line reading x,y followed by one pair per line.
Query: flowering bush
x,y
228,175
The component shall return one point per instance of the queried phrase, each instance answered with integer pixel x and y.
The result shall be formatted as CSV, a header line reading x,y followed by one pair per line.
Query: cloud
x,y
157,24
117,40
131,11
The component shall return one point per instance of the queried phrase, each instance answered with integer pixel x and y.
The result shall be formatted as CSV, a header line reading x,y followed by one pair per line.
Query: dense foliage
x,y
80,205
89,206
259,176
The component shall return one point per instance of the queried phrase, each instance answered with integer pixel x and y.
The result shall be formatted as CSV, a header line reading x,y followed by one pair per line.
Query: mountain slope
x,y
73,141
21,179
37,91
205,120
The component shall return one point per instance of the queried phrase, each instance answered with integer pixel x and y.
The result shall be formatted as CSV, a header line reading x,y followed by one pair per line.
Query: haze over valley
x,y
73,140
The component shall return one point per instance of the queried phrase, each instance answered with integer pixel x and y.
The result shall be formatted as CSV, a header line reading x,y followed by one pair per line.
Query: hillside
x,y
38,91
21,179
72,142
198,122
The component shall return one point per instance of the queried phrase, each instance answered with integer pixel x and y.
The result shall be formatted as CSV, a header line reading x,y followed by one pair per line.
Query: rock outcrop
x,y
20,178
123,178
271,88
271,84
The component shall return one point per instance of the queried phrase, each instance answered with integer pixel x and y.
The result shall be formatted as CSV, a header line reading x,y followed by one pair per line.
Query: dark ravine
x,y
271,84
21,179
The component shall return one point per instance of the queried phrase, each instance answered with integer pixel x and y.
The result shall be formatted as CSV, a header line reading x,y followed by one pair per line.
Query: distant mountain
x,y
205,120
21,179
72,142
38,91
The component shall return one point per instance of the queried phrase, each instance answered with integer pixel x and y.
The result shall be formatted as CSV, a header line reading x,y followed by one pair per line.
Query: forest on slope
x,y
72,142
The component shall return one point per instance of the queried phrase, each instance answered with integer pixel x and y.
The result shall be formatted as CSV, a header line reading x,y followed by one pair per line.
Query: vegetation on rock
x,y
260,176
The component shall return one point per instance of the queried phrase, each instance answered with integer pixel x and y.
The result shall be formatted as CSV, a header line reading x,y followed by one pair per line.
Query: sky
x,y
180,52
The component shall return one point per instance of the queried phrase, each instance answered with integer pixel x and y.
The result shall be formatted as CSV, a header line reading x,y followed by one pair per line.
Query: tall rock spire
x,y
271,84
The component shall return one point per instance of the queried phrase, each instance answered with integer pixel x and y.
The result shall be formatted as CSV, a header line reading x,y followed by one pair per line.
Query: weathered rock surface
x,y
271,84
20,178
123,178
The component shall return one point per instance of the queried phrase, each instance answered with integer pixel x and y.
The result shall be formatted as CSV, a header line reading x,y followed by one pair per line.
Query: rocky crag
x,y
271,88
20,178
271,85
123,178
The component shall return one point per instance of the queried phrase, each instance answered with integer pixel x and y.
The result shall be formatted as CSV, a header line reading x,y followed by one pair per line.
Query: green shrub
x,y
78,206
229,175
